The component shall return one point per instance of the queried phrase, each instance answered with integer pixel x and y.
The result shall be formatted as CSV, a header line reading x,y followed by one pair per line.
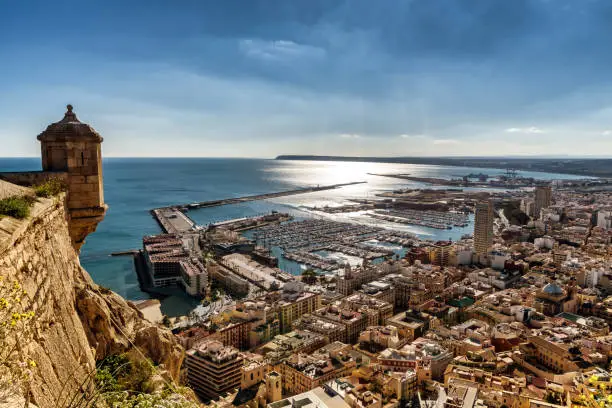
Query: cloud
x,y
394,76
528,130
279,50
446,141
407,136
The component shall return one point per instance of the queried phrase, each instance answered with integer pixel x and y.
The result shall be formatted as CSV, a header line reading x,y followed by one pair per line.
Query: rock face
x,y
77,322
113,326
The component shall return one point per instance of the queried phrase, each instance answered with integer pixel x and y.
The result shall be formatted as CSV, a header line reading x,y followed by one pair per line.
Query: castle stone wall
x,y
77,322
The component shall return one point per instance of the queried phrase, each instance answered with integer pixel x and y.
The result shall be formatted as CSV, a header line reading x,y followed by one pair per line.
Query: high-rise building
x,y
439,253
483,227
213,368
543,195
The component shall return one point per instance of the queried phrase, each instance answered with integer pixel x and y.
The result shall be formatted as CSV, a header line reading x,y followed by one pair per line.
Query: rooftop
x,y
70,128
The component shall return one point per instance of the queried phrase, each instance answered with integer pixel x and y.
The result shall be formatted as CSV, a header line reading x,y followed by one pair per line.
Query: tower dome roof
x,y
70,128
552,289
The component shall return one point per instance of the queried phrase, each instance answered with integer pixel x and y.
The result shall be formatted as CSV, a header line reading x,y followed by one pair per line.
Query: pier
x,y
237,200
173,220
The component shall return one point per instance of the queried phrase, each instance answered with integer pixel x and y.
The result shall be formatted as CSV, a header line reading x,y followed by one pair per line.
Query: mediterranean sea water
x,y
134,186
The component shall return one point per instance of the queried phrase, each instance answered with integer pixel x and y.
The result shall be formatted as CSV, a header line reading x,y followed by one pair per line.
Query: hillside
x,y
72,322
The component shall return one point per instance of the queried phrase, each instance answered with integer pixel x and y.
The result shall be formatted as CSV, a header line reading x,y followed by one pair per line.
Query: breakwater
x,y
237,200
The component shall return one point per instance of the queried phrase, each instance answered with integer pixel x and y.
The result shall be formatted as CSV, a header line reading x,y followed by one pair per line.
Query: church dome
x,y
552,289
70,128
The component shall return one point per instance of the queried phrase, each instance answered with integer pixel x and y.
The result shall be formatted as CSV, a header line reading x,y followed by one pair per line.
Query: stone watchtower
x,y
274,389
75,148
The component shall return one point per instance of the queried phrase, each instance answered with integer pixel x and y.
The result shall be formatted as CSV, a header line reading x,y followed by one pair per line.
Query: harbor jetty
x,y
173,220
237,200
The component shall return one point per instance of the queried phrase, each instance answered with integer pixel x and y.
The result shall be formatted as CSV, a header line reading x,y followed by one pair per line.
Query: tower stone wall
x,y
274,388
75,148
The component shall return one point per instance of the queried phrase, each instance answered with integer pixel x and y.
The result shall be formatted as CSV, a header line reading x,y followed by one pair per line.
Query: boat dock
x,y
173,220
237,200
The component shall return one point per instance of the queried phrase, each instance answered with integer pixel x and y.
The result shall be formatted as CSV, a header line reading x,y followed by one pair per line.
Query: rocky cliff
x,y
76,322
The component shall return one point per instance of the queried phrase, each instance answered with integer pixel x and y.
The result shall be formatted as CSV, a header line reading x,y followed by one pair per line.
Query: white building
x,y
498,259
544,242
604,219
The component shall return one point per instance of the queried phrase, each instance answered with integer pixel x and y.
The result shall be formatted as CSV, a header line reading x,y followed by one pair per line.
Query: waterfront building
x,y
213,369
483,227
163,255
170,261
228,279
194,277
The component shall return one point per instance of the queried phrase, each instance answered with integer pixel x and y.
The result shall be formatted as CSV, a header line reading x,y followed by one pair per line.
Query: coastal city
x,y
514,314
322,306
306,204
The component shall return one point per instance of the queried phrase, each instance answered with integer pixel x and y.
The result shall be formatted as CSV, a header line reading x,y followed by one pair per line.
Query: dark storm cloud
x,y
378,69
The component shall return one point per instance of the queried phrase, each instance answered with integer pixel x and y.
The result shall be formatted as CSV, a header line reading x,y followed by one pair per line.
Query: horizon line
x,y
551,157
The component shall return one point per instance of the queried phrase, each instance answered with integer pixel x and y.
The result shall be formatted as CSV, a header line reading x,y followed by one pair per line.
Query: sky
x,y
258,78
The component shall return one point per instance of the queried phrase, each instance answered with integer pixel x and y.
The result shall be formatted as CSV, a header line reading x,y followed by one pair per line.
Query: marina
x,y
313,259
312,234
249,223
431,219
397,237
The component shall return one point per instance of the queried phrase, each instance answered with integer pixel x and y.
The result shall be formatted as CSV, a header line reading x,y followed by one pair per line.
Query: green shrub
x,y
16,207
50,188
124,372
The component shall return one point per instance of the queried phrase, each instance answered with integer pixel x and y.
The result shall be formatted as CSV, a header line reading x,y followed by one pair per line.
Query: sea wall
x,y
76,322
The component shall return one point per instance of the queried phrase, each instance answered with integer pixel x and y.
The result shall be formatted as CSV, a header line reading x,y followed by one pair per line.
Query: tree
x,y
309,276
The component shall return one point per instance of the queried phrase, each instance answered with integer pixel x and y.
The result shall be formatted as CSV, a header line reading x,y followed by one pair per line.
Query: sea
x,y
133,186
